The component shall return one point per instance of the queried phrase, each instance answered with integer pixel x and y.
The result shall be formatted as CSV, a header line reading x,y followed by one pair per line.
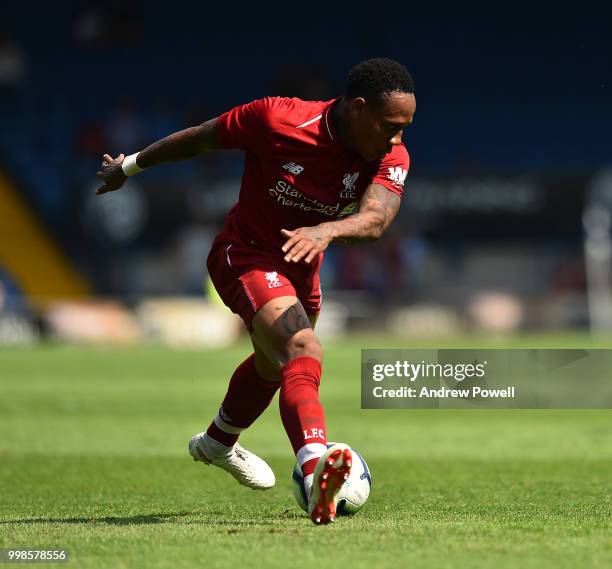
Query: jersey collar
x,y
330,129
328,123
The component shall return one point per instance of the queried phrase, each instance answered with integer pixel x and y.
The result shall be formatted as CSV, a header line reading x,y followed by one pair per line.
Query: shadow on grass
x,y
109,520
218,518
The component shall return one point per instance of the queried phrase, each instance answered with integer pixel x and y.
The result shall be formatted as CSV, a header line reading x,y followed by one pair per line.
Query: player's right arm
x,y
177,146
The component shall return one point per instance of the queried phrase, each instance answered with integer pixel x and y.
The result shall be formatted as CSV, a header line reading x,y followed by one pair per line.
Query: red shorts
x,y
247,278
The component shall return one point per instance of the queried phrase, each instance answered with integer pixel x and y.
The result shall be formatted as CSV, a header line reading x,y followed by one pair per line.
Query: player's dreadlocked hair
x,y
372,79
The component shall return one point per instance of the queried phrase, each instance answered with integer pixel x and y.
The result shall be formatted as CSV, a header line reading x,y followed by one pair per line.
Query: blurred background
x,y
505,222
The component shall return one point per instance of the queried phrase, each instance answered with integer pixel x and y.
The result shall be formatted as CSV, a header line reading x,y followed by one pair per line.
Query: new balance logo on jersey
x,y
398,176
272,279
349,182
294,168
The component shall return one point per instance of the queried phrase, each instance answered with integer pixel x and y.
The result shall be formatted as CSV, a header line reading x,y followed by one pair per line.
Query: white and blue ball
x,y
354,492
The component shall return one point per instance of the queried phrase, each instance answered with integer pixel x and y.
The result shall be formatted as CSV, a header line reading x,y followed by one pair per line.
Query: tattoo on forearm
x,y
377,210
293,321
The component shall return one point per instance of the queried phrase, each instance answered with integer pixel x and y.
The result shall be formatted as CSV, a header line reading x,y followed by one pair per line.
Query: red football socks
x,y
301,411
248,396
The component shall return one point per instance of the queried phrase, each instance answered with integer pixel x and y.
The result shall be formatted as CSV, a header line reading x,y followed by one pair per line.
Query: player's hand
x,y
110,174
305,243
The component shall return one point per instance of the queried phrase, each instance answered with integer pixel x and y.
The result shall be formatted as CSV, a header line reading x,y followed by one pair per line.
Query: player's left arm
x,y
377,209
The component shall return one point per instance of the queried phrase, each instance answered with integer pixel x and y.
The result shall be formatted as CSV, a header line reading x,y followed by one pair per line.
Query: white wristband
x,y
129,165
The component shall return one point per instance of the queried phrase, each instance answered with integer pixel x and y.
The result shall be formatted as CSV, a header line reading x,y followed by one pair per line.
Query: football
x,y
354,492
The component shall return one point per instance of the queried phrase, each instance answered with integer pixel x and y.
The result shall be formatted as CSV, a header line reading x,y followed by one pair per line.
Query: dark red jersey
x,y
297,172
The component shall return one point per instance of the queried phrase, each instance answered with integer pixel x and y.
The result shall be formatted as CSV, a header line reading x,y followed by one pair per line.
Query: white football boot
x,y
331,472
243,465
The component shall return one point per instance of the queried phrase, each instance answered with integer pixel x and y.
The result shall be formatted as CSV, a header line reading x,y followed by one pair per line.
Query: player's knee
x,y
266,369
304,343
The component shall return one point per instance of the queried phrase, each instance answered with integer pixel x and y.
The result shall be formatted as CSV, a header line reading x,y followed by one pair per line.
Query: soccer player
x,y
315,173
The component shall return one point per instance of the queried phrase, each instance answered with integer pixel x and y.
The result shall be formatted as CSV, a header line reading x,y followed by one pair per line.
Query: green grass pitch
x,y
93,457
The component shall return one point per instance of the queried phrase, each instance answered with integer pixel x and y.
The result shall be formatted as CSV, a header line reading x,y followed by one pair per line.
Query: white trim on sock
x,y
310,451
225,427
